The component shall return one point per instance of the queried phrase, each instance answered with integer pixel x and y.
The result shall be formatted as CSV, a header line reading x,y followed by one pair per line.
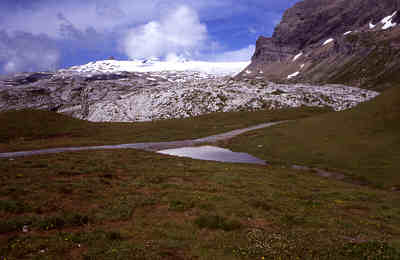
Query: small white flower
x,y
25,229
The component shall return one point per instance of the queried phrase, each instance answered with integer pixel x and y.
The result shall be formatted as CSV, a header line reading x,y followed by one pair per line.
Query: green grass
x,y
138,205
26,129
363,142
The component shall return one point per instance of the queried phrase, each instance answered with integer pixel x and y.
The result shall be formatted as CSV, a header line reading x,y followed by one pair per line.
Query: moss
x,y
217,222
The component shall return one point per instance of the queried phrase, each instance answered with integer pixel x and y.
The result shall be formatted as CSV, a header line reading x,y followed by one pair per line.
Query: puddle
x,y
212,153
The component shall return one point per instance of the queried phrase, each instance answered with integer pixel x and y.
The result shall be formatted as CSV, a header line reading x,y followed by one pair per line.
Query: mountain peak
x,y
155,64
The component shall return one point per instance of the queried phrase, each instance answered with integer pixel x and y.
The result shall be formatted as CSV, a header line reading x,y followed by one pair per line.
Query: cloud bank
x,y
179,32
43,16
244,54
27,52
47,34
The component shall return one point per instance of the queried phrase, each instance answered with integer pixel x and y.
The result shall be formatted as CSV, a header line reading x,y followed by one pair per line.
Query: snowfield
x,y
153,65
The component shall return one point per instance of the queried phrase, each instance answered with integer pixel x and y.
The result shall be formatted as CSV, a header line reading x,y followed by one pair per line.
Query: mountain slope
x,y
348,42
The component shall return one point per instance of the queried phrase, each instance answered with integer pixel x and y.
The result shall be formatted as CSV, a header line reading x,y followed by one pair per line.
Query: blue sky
x,y
48,34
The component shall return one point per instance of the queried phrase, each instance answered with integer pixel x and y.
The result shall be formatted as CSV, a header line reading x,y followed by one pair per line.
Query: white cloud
x,y
26,52
244,54
104,16
139,28
31,60
110,16
101,15
179,32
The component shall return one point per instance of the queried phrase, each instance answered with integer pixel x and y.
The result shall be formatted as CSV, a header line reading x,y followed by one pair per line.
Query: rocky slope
x,y
102,91
354,42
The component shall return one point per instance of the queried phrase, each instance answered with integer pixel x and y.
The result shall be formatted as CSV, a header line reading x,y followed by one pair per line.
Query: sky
x,y
40,35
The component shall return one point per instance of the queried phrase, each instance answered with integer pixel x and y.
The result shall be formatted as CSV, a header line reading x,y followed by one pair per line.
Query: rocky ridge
x,y
101,92
354,42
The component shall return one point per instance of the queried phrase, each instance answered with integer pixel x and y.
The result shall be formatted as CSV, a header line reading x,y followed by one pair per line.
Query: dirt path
x,y
145,146
157,146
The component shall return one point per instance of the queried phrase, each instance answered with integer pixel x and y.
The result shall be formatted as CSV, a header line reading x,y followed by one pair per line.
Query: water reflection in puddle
x,y
212,153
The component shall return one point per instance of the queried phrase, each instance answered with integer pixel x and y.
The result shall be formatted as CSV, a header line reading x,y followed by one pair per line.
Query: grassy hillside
x,y
139,205
374,64
364,141
29,129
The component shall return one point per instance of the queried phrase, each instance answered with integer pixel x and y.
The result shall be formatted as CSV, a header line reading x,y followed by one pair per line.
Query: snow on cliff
x,y
154,65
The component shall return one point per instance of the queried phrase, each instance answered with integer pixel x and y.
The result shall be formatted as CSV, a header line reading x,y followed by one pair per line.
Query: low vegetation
x,y
138,205
30,129
363,143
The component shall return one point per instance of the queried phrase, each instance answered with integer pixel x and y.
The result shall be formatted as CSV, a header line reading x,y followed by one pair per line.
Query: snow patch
x,y
155,65
302,66
328,41
371,25
297,56
348,32
248,71
387,22
293,75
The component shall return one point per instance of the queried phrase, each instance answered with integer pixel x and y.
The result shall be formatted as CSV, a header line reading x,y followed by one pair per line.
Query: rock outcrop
x,y
146,96
364,33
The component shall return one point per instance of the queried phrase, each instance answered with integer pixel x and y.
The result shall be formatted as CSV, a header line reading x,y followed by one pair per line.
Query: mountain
x,y
324,46
127,91
352,42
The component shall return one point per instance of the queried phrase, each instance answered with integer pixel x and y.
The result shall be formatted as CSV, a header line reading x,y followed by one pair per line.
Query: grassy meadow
x,y
32,129
140,205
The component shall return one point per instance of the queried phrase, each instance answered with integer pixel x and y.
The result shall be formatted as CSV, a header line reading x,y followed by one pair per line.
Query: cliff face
x,y
308,24
311,21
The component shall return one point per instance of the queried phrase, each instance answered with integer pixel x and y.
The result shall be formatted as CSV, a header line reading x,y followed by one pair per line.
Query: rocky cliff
x,y
355,42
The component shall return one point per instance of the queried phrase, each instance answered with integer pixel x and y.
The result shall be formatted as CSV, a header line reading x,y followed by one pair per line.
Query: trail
x,y
158,146
155,146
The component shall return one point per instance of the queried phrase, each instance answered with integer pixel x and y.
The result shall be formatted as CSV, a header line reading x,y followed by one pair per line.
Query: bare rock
x,y
362,50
